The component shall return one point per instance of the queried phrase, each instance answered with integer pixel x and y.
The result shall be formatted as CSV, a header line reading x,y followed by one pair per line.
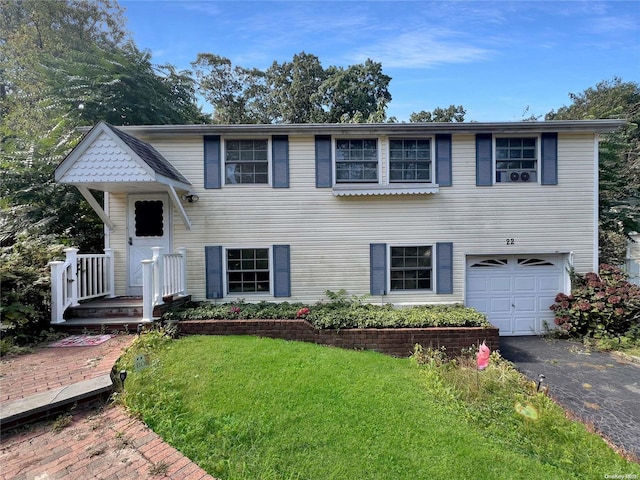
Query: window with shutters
x,y
411,268
516,159
246,161
248,270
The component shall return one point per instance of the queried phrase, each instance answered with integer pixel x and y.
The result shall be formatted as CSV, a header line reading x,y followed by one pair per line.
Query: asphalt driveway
x,y
599,388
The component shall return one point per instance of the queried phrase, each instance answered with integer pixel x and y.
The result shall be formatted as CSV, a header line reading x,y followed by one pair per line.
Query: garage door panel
x,y
525,283
549,283
500,284
503,323
476,284
525,304
525,325
500,305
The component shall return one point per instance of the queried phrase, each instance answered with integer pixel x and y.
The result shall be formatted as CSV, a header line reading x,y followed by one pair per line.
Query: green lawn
x,y
250,408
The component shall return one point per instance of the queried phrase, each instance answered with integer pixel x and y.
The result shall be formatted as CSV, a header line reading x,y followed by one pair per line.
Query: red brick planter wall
x,y
398,342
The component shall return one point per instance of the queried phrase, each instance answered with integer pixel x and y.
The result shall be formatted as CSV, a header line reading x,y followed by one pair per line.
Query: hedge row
x,y
337,314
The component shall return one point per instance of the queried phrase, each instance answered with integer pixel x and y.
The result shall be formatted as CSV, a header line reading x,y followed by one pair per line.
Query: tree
x,y
358,91
619,169
450,114
300,91
67,64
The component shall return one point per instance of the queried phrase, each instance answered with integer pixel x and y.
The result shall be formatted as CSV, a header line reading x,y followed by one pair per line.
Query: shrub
x,y
339,312
600,304
25,297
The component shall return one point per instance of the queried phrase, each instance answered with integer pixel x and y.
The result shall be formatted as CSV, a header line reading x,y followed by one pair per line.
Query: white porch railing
x,y
80,277
163,275
86,276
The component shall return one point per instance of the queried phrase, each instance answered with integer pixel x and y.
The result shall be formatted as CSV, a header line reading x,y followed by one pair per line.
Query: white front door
x,y
148,225
515,291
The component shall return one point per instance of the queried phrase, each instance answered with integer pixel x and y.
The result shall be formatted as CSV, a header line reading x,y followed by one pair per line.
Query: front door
x,y
148,225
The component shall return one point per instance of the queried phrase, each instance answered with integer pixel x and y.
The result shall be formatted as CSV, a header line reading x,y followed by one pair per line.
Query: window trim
x,y
431,290
223,160
225,272
538,157
432,154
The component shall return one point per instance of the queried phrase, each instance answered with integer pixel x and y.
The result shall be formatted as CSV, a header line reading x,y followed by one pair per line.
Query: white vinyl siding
x,y
329,236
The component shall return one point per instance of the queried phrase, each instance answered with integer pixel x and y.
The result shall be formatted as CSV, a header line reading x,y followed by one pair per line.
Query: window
x,y
246,161
356,161
516,159
411,268
409,160
248,270
149,218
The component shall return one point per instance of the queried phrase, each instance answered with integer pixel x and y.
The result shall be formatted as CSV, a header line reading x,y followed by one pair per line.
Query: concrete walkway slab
x,y
598,388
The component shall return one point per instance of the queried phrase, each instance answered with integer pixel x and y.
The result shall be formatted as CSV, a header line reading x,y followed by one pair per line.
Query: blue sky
x,y
494,58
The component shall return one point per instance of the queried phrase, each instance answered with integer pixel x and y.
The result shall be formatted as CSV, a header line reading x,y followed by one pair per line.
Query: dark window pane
x,y
149,218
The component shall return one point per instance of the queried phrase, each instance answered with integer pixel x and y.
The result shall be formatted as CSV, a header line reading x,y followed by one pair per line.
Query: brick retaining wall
x,y
398,342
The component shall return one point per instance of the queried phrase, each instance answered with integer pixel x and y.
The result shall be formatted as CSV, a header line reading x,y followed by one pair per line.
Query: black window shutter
x,y
324,177
281,271
280,161
212,161
213,266
443,160
549,156
484,160
444,267
378,268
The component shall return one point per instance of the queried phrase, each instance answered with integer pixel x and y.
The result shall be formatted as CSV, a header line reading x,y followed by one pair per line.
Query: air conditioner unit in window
x,y
520,176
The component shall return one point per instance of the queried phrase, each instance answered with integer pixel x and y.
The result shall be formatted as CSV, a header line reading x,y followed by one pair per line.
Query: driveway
x,y
600,389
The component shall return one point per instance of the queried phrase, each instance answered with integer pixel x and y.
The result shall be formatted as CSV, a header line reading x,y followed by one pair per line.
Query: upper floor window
x,y
410,160
246,161
516,159
356,161
411,268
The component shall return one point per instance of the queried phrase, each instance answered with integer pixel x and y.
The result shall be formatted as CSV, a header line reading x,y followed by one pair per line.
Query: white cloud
x,y
421,50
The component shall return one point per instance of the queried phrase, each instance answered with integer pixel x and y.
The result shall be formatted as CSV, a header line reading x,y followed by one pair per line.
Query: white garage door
x,y
515,291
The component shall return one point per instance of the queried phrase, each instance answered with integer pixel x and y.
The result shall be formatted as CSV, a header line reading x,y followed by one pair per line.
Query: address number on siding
x,y
511,241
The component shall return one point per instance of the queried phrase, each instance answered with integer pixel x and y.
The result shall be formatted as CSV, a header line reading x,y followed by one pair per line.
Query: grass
x,y
251,408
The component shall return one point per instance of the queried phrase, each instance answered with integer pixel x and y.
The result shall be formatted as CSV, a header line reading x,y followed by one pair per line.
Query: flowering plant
x,y
603,303
302,313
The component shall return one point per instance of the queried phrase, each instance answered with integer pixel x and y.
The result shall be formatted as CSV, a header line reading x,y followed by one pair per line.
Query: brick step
x,y
102,325
107,308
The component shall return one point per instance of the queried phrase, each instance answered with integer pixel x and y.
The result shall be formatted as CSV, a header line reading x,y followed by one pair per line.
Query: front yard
x,y
246,407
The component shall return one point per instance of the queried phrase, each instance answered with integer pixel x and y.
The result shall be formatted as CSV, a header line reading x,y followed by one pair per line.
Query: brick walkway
x,y
95,443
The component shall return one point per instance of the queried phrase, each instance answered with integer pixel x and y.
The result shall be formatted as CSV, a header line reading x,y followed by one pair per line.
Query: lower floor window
x,y
411,268
248,270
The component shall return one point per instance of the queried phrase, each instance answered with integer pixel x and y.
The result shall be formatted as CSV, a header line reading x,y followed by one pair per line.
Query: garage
x,y
515,291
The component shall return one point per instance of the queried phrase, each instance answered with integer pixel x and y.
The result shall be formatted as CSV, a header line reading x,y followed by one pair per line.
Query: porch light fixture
x,y
190,197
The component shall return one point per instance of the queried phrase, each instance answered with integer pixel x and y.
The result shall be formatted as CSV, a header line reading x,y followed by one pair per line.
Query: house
x,y
632,264
491,215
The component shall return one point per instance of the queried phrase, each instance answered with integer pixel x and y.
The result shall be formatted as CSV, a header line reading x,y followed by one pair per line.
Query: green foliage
x,y
453,113
340,312
25,305
619,167
600,305
300,91
246,407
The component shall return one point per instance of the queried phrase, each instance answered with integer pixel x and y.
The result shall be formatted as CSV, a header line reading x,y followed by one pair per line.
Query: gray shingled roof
x,y
149,155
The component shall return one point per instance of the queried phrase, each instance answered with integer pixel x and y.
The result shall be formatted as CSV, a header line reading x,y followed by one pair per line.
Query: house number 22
x,y
511,241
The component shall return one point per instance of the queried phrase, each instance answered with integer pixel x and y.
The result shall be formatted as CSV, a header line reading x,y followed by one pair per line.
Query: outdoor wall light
x,y
123,377
191,197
